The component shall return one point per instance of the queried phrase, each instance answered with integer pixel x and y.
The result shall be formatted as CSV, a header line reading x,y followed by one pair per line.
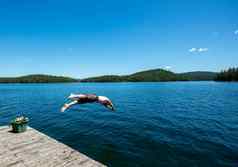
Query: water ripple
x,y
156,124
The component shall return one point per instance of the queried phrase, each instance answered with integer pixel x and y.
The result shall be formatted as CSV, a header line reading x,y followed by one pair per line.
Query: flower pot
x,y
19,124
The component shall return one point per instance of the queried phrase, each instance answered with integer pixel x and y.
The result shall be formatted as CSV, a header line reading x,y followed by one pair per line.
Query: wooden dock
x,y
34,149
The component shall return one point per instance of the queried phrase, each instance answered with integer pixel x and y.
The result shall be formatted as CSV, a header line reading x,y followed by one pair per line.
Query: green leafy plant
x,y
20,120
19,124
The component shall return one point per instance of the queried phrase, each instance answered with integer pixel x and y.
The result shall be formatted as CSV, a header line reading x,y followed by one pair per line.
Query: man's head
x,y
106,102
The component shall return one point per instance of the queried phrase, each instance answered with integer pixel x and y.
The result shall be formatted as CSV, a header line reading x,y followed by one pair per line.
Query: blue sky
x,y
89,38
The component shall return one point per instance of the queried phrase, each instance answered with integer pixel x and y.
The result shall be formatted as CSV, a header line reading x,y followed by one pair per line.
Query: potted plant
x,y
19,124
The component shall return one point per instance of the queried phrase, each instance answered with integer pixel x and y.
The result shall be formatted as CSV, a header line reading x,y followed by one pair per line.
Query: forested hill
x,y
156,75
228,75
144,76
199,75
37,79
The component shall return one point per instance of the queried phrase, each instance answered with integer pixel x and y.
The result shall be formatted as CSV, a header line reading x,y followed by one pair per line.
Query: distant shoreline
x,y
146,82
154,75
38,78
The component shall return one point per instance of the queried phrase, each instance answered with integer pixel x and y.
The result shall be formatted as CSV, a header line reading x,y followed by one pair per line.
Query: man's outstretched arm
x,y
68,105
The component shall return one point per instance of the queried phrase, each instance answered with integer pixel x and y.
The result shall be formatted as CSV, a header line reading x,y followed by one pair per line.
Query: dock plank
x,y
33,148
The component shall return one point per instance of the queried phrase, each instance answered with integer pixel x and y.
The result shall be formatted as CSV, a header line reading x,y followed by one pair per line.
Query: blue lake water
x,y
156,124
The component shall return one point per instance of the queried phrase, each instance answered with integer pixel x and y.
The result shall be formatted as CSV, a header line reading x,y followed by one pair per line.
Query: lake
x,y
155,124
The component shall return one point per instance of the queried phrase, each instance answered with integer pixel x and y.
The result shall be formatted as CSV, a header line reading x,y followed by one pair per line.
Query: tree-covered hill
x,y
156,75
228,75
37,79
199,75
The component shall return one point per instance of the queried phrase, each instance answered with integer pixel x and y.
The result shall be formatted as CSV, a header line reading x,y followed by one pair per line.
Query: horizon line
x,y
64,75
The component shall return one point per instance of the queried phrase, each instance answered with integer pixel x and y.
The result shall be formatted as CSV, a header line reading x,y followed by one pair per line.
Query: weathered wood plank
x,y
33,148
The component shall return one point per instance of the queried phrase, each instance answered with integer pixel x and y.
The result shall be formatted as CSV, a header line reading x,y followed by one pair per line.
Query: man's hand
x,y
65,107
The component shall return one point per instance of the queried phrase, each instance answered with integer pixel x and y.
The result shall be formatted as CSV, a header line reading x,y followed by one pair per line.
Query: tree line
x,y
230,74
37,79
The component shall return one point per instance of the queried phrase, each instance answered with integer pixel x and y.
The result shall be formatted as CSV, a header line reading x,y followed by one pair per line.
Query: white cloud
x,y
236,32
168,67
202,49
192,50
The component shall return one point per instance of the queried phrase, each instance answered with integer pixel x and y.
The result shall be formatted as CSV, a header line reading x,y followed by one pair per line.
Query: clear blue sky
x,y
82,38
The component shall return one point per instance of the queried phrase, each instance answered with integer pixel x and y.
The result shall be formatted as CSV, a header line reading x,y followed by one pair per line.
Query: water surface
x,y
156,124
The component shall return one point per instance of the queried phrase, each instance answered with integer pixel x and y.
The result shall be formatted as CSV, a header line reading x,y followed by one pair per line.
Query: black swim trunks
x,y
90,98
